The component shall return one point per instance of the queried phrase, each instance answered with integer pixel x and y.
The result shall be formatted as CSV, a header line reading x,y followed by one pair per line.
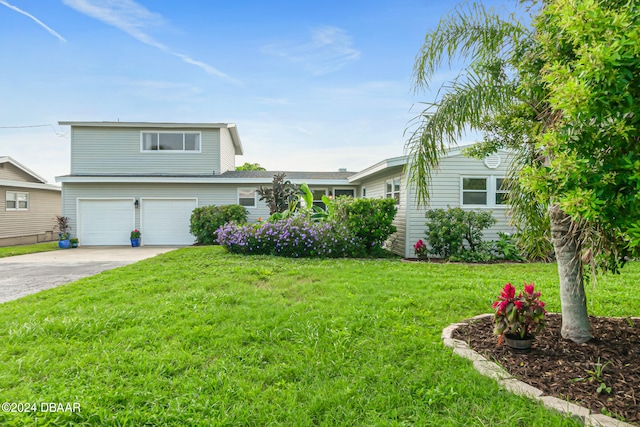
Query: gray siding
x,y
227,152
117,151
445,191
9,172
38,224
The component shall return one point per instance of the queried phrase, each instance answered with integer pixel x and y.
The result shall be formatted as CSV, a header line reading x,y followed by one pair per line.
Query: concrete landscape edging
x,y
512,384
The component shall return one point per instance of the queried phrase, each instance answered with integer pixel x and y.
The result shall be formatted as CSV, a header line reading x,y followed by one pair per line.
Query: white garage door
x,y
166,221
105,221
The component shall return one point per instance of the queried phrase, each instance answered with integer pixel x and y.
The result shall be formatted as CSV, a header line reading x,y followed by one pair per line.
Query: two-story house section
x,y
150,176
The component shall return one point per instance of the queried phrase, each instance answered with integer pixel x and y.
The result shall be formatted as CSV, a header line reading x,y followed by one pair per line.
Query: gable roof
x,y
231,127
23,168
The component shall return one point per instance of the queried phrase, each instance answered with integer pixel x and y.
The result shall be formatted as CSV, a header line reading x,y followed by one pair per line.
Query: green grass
x,y
200,337
28,249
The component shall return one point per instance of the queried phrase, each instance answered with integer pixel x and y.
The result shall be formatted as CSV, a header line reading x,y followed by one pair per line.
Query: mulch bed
x,y
567,370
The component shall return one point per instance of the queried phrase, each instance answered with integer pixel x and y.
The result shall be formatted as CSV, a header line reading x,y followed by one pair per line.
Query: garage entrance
x,y
166,221
105,221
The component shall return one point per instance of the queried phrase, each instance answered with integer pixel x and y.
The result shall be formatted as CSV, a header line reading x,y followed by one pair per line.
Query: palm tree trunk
x,y
575,320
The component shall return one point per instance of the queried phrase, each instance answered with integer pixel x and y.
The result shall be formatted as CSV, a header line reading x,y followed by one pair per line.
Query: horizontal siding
x,y
377,189
117,151
9,172
445,192
206,194
227,152
39,220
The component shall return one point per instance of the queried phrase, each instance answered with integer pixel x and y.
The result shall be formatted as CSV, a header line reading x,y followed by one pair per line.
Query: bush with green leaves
x,y
206,220
370,220
456,233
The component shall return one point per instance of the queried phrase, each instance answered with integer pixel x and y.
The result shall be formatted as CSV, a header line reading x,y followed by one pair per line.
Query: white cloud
x,y
39,22
329,50
135,20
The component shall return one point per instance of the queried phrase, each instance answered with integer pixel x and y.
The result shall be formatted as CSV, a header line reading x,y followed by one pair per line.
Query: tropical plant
x,y
420,248
63,226
280,195
571,86
521,316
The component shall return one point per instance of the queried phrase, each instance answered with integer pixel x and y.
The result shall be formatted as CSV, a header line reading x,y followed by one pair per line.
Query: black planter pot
x,y
519,344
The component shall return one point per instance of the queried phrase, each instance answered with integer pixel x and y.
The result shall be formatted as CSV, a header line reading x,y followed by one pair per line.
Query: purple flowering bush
x,y
295,237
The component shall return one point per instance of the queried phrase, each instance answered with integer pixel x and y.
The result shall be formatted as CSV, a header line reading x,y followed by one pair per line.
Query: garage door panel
x,y
105,222
166,221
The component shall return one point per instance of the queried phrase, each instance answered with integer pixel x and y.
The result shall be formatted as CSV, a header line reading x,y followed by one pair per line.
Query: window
x,y
317,197
171,141
393,189
17,201
502,191
484,191
337,192
364,192
474,191
247,197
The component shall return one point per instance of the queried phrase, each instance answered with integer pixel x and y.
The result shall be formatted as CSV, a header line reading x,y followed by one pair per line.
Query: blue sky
x,y
311,85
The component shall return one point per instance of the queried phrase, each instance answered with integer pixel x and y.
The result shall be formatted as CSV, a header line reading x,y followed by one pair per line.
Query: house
x,y
30,205
127,175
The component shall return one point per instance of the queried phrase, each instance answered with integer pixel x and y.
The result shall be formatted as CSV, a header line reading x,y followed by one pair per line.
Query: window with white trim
x,y
17,201
247,197
393,189
484,191
474,191
170,141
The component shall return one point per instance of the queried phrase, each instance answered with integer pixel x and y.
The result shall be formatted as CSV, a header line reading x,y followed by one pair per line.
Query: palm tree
x,y
502,77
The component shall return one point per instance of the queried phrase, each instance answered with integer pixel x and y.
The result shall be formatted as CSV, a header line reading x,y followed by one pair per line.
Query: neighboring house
x,y
30,205
151,176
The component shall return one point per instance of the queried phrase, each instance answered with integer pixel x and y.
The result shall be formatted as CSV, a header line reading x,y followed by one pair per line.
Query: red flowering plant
x,y
521,316
420,248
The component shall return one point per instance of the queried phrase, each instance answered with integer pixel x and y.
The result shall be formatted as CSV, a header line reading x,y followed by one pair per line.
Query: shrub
x,y
370,220
457,233
206,220
295,237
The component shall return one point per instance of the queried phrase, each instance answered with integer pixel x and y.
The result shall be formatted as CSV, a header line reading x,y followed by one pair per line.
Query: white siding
x,y
445,192
103,151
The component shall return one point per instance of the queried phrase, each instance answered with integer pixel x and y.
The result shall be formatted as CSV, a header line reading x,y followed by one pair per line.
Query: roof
x,y
7,159
288,175
233,129
230,177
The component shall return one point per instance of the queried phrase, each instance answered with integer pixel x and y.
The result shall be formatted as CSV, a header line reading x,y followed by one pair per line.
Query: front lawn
x,y
201,337
28,249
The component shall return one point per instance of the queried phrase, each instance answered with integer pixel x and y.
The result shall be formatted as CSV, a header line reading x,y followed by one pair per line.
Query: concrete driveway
x,y
27,274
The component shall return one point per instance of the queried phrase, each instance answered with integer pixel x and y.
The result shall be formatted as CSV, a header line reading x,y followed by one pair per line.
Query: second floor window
x,y
171,141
